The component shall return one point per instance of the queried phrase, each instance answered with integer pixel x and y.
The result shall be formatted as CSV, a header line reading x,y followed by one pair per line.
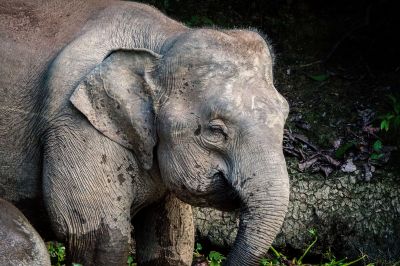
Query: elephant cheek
x,y
175,176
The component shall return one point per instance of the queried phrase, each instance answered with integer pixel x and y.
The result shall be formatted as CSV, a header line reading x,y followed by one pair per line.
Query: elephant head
x,y
207,114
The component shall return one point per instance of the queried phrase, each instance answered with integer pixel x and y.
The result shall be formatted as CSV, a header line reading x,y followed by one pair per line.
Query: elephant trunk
x,y
264,196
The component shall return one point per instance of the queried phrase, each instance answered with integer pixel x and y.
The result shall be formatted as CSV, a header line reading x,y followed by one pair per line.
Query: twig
x,y
309,64
305,142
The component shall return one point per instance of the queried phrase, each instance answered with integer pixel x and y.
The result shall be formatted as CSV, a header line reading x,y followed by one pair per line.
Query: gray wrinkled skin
x,y
20,244
122,105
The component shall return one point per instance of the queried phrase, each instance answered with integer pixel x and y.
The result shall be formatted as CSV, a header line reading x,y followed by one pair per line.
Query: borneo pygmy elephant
x,y
110,106
20,244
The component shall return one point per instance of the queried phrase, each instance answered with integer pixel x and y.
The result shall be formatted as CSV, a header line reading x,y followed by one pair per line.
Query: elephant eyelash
x,y
219,128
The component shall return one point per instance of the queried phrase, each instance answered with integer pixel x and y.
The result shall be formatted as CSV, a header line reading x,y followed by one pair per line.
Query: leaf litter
x,y
359,151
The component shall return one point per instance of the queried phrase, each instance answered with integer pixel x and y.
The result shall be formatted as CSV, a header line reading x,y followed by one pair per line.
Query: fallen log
x,y
351,216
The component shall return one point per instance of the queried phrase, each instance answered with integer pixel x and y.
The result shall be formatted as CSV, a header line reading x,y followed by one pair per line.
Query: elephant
x,y
20,244
113,112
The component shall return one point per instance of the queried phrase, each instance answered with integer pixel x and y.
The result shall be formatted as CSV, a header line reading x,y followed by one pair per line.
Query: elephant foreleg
x,y
88,195
164,233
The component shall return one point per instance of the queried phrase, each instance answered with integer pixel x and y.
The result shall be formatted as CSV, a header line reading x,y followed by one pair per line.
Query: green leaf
x,y
199,247
341,151
275,262
215,255
377,146
215,258
130,260
320,78
313,232
265,262
376,156
385,125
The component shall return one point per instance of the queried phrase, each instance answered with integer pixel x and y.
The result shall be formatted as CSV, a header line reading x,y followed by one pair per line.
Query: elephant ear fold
x,y
118,101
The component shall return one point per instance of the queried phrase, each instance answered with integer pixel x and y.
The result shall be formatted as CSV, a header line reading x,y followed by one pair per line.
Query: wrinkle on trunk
x,y
264,202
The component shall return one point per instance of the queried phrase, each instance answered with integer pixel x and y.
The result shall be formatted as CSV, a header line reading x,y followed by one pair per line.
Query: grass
x,y
280,259
214,258
276,258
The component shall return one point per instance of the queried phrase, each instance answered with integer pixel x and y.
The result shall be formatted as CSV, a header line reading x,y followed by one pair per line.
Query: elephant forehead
x,y
218,68
237,86
209,48
232,87
227,76
230,43
260,104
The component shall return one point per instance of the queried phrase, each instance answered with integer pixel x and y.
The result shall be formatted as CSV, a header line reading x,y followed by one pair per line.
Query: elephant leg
x,y
164,233
104,246
88,195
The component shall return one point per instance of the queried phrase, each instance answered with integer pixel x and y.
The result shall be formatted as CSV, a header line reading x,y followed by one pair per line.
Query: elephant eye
x,y
218,128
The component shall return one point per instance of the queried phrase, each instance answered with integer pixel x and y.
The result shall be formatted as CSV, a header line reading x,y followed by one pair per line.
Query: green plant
x,y
278,259
377,150
215,258
57,253
131,261
342,150
313,233
391,120
320,77
390,126
273,261
197,250
333,262
281,260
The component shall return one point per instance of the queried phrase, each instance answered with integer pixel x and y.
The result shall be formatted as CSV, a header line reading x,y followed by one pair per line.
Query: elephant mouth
x,y
224,197
219,175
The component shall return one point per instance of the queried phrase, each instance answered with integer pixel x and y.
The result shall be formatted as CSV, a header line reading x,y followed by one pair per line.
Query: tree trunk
x,y
351,216
164,233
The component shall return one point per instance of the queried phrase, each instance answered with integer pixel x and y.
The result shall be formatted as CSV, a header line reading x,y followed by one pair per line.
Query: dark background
x,y
360,34
350,47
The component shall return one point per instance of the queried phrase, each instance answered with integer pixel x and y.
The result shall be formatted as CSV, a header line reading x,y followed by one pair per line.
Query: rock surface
x,y
351,216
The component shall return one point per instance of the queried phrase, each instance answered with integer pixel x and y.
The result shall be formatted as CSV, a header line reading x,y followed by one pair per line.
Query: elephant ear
x,y
118,101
